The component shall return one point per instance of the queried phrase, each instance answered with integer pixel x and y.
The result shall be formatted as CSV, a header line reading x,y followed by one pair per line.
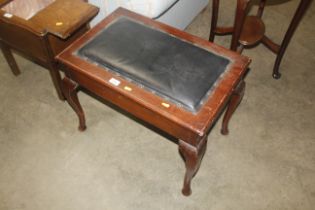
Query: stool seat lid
x,y
167,66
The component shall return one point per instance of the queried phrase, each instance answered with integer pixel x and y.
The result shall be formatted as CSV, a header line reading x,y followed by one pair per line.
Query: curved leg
x,y
235,100
69,89
214,19
192,156
293,25
10,59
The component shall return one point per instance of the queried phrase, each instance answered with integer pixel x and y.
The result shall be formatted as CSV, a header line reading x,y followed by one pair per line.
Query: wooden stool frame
x,y
191,129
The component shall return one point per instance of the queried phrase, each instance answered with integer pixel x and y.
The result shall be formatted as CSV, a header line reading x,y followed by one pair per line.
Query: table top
x,y
197,120
58,17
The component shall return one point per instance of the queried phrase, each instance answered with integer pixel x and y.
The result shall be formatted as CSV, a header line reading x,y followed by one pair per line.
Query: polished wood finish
x,y
239,19
10,59
45,33
191,129
192,157
235,100
248,31
70,92
303,6
71,14
253,31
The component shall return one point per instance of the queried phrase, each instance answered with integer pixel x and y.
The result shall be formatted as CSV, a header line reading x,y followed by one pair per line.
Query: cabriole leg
x,y
235,100
192,157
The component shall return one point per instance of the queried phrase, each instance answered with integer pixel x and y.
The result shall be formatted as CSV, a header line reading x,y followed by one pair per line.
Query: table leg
x,y
235,100
214,19
192,156
261,8
56,79
69,89
293,25
10,59
240,16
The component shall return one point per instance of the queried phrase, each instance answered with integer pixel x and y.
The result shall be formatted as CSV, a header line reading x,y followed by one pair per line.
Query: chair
x,y
250,30
40,29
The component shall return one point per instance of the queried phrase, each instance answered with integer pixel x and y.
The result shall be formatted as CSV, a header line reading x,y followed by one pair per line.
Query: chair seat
x,y
169,67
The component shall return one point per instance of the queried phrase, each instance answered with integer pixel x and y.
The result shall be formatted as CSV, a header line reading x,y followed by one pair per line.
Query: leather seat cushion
x,y
165,65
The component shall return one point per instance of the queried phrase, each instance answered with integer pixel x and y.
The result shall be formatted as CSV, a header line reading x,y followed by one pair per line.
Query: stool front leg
x,y
192,156
235,100
69,89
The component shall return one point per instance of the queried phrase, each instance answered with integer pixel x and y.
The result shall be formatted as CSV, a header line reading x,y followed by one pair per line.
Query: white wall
x,y
179,16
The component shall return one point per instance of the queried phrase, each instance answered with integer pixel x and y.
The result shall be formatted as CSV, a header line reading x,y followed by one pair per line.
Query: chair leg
x,y
10,59
56,79
293,25
235,100
214,19
240,15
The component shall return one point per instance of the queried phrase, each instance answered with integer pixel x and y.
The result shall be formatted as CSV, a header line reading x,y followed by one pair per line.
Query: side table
x,y
250,30
40,29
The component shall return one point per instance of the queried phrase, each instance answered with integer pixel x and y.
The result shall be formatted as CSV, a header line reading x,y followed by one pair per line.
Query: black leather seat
x,y
167,66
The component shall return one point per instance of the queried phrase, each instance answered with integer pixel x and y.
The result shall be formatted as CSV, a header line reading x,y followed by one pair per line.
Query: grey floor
x,y
267,161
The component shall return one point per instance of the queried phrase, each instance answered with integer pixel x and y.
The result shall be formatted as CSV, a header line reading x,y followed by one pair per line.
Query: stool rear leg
x,y
235,100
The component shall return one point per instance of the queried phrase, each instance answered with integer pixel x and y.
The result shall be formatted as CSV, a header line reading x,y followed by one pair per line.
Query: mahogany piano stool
x,y
172,80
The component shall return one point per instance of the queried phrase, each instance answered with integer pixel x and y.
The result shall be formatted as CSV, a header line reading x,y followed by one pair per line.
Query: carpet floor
x,y
266,162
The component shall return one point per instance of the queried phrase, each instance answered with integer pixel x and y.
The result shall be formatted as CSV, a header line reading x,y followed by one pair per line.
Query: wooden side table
x,y
40,29
250,30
